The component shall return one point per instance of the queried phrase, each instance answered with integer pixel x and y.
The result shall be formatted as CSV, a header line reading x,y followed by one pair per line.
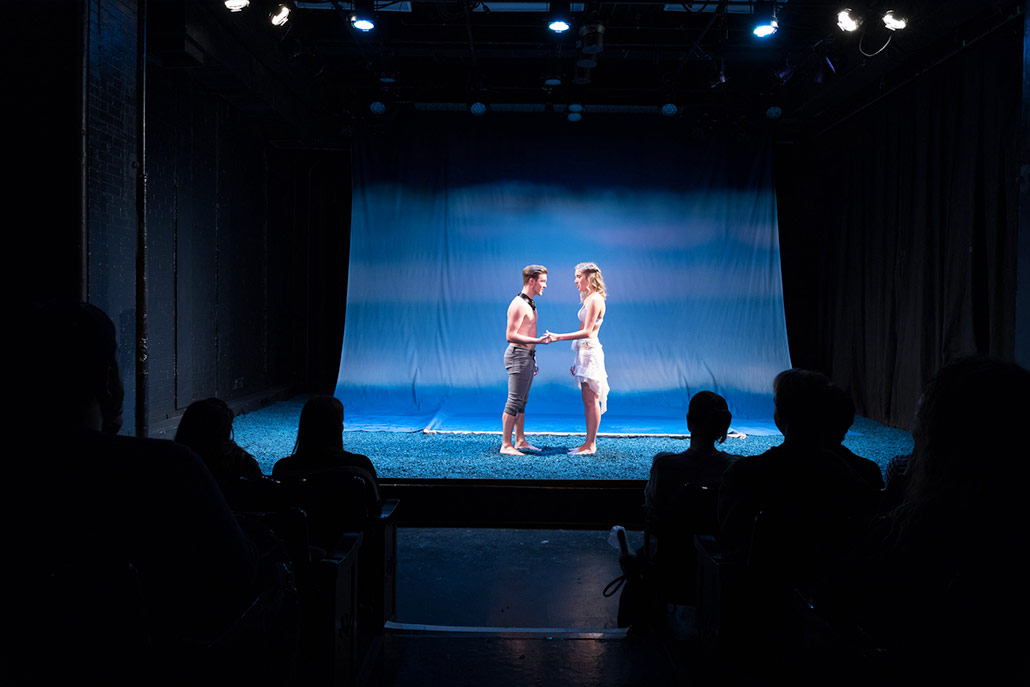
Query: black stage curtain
x,y
899,230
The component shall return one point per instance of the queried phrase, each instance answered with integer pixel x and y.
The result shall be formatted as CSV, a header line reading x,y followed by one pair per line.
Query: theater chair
x,y
834,650
329,651
345,501
676,558
713,573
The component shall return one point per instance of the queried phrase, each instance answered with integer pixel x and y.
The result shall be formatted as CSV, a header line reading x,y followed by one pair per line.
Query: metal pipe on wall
x,y
83,247
142,363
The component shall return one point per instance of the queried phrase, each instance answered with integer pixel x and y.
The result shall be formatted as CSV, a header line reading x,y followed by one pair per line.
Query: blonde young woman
x,y
588,366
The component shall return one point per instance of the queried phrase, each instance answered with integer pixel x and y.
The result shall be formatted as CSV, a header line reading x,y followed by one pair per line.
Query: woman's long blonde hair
x,y
596,281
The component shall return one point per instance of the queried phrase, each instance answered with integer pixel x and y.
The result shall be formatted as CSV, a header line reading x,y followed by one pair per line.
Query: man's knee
x,y
514,407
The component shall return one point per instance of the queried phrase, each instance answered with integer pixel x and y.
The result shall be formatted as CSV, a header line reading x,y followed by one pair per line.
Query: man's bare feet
x,y
525,446
511,451
582,450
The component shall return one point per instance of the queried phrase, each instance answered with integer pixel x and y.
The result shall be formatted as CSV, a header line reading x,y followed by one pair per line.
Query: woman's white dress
x,y
589,365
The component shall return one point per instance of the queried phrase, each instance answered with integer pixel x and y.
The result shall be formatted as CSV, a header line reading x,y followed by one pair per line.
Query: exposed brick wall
x,y
111,175
241,237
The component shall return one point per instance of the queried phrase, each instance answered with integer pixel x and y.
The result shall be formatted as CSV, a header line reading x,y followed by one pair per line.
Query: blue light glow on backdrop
x,y
444,220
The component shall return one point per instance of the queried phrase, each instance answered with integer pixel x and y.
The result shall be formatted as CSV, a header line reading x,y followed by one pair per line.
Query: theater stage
x,y
269,434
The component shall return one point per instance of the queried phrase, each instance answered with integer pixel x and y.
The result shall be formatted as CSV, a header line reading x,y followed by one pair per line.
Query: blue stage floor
x,y
269,434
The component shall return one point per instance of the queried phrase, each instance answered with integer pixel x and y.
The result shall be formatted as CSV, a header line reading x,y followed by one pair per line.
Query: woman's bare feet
x,y
511,451
525,446
582,450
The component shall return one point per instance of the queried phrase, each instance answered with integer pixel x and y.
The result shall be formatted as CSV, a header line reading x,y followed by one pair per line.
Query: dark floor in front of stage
x,y
519,607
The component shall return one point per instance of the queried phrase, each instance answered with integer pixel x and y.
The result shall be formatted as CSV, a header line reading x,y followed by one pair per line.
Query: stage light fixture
x,y
477,108
575,107
377,107
894,21
559,18
847,20
363,16
766,23
237,5
591,38
280,15
574,116
669,110
552,80
774,112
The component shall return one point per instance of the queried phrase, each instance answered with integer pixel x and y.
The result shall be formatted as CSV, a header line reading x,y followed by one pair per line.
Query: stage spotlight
x,y
766,23
552,80
363,17
894,21
591,38
559,19
669,110
847,20
575,107
477,108
280,15
237,5
574,116
377,107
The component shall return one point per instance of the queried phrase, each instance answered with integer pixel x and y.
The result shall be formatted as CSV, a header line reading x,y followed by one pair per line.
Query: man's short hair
x,y
73,346
800,396
532,272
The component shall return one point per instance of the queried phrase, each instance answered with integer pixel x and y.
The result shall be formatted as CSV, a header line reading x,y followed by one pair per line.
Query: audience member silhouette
x,y
840,415
944,584
708,420
680,497
126,554
320,442
785,517
799,483
206,427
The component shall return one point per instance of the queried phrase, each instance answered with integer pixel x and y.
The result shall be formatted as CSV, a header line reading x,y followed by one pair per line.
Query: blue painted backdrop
x,y
445,218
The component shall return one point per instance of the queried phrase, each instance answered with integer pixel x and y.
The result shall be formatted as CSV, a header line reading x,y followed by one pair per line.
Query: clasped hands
x,y
547,338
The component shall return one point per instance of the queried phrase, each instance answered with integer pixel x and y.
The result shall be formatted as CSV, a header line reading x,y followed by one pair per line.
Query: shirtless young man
x,y
520,358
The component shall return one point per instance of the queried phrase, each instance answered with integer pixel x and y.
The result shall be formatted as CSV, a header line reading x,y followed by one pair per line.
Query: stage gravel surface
x,y
269,434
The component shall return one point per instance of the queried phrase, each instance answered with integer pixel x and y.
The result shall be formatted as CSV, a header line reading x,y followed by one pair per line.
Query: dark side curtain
x,y
899,231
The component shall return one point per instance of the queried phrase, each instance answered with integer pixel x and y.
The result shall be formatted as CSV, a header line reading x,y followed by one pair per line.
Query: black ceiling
x,y
318,75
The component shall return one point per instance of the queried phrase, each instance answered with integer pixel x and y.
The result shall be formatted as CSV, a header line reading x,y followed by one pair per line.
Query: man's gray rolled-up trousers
x,y
519,362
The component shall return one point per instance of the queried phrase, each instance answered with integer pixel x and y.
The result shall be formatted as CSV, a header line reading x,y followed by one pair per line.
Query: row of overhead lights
x,y
848,20
767,21
559,19
362,16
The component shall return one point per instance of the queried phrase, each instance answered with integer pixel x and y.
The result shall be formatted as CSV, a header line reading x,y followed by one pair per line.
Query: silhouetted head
x,y
799,398
839,411
321,425
964,402
72,357
708,416
206,427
